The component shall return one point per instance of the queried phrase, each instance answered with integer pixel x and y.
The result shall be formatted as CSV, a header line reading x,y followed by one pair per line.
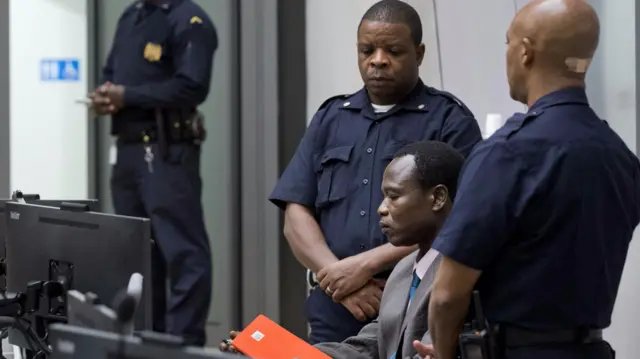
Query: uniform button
x,y
420,107
362,213
369,150
346,104
362,246
365,181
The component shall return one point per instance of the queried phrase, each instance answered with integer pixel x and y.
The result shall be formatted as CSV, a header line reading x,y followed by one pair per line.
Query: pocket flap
x,y
342,153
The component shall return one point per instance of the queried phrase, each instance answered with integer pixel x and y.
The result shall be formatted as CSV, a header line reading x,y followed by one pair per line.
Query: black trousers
x,y
170,195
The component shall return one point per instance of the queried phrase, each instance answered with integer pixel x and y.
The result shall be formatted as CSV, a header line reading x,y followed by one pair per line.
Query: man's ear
x,y
440,195
526,56
420,52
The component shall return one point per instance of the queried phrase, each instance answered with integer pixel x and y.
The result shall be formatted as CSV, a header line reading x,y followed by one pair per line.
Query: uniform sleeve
x,y
194,44
461,131
490,196
107,70
298,182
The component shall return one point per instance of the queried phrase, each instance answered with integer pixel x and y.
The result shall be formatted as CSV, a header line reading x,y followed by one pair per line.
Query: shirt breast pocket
x,y
334,177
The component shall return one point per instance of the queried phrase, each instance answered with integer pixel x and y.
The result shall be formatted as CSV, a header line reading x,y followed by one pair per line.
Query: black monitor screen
x,y
86,251
91,203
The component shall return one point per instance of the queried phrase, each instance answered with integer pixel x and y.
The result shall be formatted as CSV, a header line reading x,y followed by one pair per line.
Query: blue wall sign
x,y
60,70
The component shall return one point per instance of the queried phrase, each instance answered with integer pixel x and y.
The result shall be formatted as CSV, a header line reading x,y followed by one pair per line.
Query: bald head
x,y
551,45
563,33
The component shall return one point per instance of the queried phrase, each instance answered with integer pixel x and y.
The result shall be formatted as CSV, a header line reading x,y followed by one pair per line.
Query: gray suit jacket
x,y
381,338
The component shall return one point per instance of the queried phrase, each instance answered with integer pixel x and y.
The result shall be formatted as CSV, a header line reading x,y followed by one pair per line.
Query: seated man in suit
x,y
418,187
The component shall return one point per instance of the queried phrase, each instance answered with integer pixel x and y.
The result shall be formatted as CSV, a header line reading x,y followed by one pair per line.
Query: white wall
x,y
48,130
472,59
472,48
611,86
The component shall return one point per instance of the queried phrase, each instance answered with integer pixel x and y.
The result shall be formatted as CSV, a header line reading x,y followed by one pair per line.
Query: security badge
x,y
152,52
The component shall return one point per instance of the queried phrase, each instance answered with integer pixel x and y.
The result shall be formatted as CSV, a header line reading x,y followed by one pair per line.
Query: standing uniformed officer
x,y
546,207
331,189
157,73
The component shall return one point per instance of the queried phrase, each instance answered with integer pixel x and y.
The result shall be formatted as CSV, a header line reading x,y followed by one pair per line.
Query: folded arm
x,y
350,274
385,257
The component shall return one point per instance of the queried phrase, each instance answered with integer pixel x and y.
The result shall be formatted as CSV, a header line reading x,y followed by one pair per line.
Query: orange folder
x,y
264,339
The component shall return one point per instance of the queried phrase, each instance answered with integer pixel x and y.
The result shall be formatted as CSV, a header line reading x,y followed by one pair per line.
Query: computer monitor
x,y
85,251
34,199
69,342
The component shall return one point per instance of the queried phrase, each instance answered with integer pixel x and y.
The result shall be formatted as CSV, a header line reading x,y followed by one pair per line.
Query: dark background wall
x,y
292,99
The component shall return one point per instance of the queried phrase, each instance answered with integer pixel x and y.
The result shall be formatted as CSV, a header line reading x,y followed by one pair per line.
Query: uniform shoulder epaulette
x,y
518,121
450,97
332,99
131,9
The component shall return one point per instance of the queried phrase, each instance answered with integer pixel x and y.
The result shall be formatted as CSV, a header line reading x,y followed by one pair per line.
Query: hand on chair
x,y
226,345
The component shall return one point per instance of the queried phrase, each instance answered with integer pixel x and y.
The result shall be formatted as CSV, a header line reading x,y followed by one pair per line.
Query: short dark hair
x,y
437,163
396,12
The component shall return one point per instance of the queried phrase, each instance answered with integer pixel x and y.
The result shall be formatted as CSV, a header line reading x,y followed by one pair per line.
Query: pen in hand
x,y
83,101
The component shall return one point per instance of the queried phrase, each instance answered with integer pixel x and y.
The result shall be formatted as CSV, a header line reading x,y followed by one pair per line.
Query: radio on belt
x,y
477,340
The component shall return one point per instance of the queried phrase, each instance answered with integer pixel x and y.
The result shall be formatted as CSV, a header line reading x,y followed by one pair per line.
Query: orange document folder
x,y
264,339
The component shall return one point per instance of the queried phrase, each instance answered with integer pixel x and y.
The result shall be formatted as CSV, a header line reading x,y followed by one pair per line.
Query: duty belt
x,y
150,136
515,337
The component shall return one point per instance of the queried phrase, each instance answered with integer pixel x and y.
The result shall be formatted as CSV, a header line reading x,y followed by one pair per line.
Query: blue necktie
x,y
414,285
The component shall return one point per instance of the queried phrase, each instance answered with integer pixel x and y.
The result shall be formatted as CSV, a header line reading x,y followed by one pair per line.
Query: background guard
x,y
159,68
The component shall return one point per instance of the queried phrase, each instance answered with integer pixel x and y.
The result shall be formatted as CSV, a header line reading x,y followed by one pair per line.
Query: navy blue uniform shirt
x,y
163,55
338,166
546,208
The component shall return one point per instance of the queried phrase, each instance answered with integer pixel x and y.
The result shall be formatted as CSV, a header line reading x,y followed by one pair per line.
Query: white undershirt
x,y
421,267
381,108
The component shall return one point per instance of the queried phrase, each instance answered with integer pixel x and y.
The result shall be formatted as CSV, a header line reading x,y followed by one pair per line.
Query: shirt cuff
x,y
281,200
